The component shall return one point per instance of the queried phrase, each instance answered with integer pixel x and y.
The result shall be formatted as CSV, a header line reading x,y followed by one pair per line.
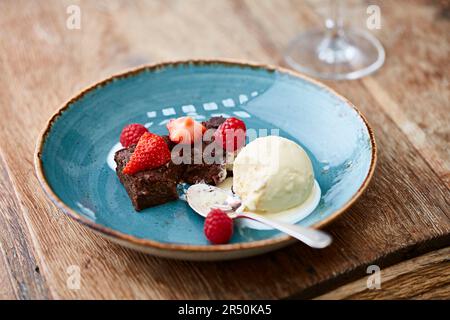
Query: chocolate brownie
x,y
204,172
228,158
213,123
201,170
150,187
157,186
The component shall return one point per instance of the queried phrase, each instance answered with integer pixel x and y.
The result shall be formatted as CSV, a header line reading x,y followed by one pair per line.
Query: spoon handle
x,y
312,237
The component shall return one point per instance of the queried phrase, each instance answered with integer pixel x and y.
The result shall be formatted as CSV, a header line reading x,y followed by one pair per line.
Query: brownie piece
x,y
157,186
204,172
212,174
213,123
150,187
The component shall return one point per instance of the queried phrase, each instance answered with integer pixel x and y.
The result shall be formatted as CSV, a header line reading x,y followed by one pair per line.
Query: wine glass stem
x,y
334,23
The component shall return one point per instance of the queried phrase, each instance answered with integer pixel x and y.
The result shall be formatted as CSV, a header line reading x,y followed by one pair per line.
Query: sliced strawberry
x,y
231,134
151,152
185,130
131,133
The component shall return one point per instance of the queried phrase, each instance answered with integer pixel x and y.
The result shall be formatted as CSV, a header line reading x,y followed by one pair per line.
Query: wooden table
x,y
401,224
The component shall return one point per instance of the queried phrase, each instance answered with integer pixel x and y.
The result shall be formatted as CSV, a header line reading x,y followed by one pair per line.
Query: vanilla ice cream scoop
x,y
272,174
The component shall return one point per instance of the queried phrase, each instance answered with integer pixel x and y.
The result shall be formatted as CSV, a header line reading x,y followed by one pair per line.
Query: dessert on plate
x,y
150,166
271,175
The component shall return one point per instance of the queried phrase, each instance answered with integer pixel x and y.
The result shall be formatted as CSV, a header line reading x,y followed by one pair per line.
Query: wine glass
x,y
335,53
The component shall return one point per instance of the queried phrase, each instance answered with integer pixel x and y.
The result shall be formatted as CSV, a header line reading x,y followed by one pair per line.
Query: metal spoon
x,y
202,198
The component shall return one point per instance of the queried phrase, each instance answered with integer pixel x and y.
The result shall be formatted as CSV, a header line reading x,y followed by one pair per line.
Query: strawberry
x,y
131,133
231,134
218,227
151,152
185,130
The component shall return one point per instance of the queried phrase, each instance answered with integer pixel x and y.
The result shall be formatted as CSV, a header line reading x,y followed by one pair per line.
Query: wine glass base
x,y
352,55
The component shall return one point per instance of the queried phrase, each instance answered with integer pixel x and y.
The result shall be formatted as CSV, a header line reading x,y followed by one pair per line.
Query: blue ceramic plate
x,y
72,154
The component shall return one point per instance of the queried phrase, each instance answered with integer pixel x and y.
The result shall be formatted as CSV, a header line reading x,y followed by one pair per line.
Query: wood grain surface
x,y
404,213
424,277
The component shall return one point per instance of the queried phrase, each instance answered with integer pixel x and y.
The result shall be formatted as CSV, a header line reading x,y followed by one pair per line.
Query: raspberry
x,y
131,133
185,130
151,152
218,227
231,134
